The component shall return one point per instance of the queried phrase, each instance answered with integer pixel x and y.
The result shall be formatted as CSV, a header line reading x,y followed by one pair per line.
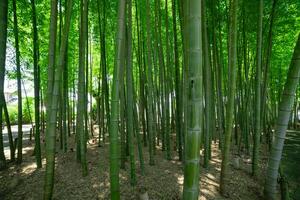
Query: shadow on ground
x,y
162,181
291,162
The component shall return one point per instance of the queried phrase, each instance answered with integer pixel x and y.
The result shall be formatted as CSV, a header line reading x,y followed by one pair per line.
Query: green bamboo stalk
x,y
86,68
162,84
161,79
51,57
129,81
136,116
115,107
177,85
231,92
207,86
65,103
122,130
167,88
52,114
267,62
20,132
81,105
284,110
193,51
150,117
218,74
9,132
142,76
138,137
91,88
258,91
246,84
100,102
3,37
37,148
105,87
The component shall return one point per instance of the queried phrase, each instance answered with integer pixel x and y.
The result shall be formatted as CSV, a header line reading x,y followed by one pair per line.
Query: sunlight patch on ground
x,y
208,192
210,183
210,176
31,167
216,160
175,161
25,150
28,169
180,180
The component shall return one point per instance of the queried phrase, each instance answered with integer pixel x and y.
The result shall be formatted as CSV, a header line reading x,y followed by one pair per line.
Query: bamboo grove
x,y
158,75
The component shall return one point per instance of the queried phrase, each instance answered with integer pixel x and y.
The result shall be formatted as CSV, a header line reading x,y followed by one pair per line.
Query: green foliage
x,y
27,113
28,110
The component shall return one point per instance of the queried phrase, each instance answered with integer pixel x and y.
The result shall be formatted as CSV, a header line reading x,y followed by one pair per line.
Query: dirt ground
x,y
162,181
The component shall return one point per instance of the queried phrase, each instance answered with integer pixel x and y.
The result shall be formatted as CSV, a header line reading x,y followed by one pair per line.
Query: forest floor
x,y
162,181
291,162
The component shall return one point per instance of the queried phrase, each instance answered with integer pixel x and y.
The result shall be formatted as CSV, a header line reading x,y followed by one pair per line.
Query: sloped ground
x,y
162,181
